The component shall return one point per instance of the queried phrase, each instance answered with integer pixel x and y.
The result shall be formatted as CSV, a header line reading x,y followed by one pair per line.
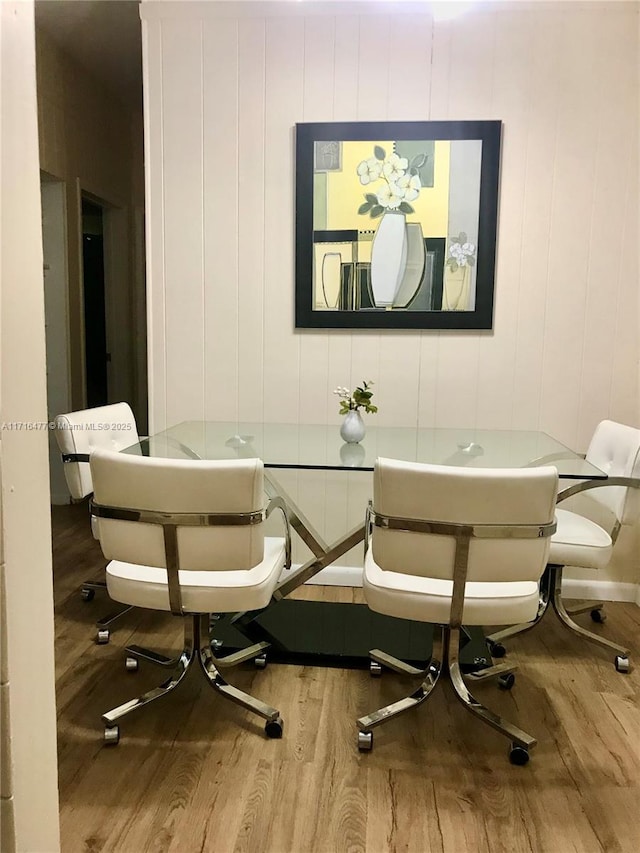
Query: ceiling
x,y
103,36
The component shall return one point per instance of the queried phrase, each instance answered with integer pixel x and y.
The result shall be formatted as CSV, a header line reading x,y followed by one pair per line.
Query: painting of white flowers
x,y
396,224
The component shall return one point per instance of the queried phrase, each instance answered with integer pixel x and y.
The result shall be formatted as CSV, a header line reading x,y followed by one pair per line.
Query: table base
x,y
321,633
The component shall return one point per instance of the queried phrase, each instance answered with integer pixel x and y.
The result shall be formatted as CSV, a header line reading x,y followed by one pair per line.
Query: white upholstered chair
x,y
455,546
78,434
580,542
187,537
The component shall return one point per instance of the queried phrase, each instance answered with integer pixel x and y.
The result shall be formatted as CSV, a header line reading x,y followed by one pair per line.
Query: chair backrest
x,y
615,449
78,433
520,500
215,506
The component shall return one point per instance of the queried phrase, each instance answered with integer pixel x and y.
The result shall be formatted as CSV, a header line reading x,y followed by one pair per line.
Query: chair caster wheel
x,y
518,755
497,649
598,616
260,662
506,681
102,637
375,670
111,735
273,728
365,741
87,594
131,664
622,663
216,646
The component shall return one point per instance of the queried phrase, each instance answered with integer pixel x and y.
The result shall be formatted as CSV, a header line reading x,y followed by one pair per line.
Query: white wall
x,y
56,313
92,142
226,83
28,784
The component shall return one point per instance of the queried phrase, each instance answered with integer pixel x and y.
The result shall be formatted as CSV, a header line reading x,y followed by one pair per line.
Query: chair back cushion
x,y
180,486
500,496
112,427
615,449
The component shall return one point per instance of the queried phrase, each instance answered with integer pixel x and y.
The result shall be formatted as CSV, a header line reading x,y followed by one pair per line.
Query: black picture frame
x,y
320,149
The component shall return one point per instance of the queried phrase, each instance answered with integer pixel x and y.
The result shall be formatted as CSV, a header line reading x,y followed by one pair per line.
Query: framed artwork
x,y
396,224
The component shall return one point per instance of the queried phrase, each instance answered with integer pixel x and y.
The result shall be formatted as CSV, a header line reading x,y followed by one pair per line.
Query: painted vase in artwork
x,y
455,293
388,258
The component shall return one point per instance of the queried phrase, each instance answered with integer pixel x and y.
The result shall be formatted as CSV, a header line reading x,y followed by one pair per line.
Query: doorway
x,y
95,347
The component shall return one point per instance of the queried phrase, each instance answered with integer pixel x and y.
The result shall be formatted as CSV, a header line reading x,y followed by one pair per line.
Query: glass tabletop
x,y
320,447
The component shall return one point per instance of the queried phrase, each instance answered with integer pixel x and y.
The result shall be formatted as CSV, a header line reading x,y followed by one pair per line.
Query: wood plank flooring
x,y
194,773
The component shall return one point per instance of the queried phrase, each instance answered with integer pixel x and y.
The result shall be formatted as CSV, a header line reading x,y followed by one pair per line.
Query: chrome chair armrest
x,y
279,503
368,523
586,485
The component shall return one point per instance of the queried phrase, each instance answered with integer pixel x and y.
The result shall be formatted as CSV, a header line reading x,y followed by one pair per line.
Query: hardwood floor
x,y
195,773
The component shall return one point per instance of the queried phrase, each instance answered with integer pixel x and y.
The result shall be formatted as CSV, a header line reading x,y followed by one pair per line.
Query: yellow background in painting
x,y
345,193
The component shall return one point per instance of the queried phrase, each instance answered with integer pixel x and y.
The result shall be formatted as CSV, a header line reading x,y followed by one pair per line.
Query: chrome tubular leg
x,y
151,656
184,662
516,735
543,604
423,692
104,621
99,586
491,672
396,664
567,621
215,679
584,607
240,656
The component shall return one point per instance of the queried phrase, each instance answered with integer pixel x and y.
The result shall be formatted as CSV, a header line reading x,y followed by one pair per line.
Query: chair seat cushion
x,y
202,592
429,599
579,542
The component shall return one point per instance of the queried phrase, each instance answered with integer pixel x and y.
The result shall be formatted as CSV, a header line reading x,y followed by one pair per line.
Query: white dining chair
x,y
455,546
78,434
580,542
187,537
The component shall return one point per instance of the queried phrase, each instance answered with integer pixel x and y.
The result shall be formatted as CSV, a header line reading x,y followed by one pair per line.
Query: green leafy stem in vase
x,y
360,398
401,182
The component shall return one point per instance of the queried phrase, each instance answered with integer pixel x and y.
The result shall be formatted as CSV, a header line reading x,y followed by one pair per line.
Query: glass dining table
x,y
318,632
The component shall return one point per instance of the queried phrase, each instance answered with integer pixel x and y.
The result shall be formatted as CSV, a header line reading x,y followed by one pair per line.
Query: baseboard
x,y
582,589
60,498
600,590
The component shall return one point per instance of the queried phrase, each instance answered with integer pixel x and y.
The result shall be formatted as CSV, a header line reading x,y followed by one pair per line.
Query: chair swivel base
x,y
196,648
551,593
445,660
87,593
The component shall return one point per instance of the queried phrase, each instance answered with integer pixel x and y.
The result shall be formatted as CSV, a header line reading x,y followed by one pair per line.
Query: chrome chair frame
x,y
197,643
445,654
89,588
551,590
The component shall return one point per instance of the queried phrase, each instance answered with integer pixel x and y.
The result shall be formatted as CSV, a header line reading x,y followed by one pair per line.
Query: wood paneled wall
x,y
225,84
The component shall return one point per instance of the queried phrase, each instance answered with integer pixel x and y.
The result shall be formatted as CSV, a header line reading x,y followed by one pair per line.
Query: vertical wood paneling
x,y
612,273
318,93
183,218
571,211
251,214
154,192
284,91
510,79
220,224
542,99
563,353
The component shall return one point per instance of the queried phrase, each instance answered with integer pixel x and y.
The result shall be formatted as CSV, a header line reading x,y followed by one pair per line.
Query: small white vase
x,y
352,428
